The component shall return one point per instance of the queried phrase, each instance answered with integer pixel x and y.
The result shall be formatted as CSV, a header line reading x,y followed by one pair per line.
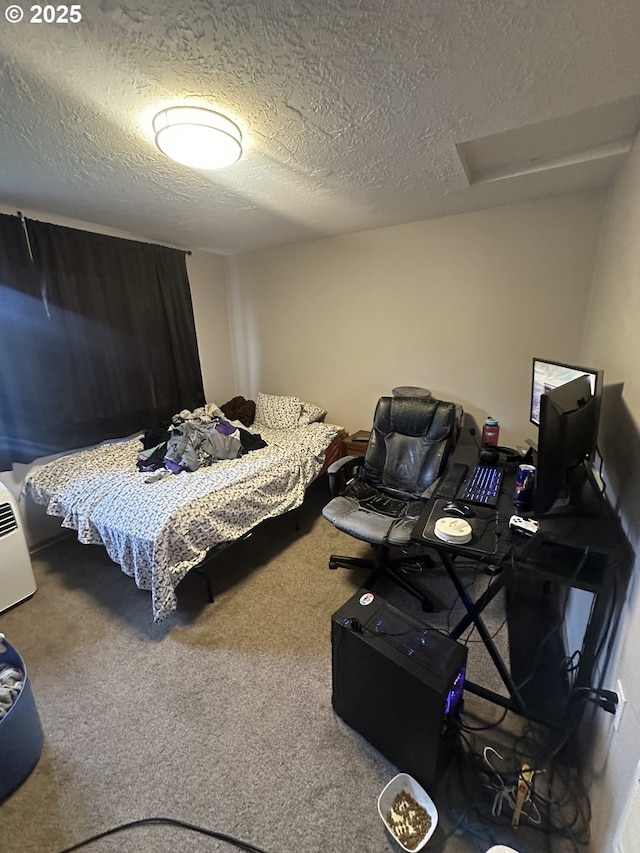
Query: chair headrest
x,y
409,444
416,416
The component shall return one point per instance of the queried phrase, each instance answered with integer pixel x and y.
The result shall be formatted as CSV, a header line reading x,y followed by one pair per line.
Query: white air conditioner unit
x,y
16,574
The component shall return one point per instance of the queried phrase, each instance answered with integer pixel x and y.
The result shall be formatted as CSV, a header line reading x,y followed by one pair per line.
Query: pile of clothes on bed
x,y
197,438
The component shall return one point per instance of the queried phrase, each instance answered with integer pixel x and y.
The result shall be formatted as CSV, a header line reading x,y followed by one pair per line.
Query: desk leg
x,y
593,636
474,609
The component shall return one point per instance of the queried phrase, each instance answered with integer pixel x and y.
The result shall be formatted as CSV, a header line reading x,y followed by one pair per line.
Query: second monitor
x,y
567,437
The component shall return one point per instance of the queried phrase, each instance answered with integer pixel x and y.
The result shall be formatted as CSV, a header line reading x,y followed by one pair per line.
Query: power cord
x,y
357,626
549,803
506,790
166,821
467,728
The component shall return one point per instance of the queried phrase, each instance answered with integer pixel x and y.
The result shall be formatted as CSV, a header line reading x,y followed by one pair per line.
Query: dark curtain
x,y
97,338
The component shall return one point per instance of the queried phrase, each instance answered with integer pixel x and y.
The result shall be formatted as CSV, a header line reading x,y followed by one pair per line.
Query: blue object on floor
x,y
21,735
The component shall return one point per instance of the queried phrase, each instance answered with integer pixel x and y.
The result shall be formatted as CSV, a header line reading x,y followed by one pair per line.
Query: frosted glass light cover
x,y
197,137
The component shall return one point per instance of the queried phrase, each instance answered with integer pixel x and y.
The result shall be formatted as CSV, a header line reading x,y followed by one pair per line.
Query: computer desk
x,y
575,549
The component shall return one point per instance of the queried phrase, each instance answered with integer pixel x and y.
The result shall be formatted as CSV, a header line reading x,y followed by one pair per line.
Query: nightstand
x,y
352,447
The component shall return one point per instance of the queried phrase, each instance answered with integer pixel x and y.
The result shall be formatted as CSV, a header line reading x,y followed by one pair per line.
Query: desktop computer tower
x,y
397,682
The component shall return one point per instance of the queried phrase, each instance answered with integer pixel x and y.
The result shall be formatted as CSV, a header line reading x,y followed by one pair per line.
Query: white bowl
x,y
404,782
502,848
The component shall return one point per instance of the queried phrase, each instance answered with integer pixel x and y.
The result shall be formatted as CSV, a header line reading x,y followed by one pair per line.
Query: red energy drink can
x,y
525,484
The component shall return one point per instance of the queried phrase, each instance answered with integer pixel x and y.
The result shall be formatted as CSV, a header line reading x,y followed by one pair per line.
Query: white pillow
x,y
278,412
311,413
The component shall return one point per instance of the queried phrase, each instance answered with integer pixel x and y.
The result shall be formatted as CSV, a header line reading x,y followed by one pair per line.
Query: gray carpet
x,y
221,716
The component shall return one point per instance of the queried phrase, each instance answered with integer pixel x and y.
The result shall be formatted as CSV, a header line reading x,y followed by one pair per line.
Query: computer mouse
x,y
457,508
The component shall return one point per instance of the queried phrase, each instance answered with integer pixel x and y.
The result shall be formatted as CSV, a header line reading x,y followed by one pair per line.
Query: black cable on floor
x,y
166,821
565,812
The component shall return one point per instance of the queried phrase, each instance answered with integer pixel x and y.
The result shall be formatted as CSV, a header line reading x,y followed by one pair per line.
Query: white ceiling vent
x,y
597,139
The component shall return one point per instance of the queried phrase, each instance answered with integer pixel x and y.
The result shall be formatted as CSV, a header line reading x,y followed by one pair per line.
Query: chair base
x,y
337,561
383,564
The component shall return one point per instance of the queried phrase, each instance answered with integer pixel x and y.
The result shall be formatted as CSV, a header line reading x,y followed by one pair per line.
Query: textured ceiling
x,y
356,113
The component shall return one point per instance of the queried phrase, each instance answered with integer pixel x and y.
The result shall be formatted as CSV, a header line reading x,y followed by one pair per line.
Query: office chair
x,y
378,497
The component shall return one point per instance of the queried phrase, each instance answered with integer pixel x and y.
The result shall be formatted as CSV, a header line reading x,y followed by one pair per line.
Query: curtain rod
x,y
144,242
26,233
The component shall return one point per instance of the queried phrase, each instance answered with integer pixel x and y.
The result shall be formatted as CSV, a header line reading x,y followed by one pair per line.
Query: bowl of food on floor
x,y
408,812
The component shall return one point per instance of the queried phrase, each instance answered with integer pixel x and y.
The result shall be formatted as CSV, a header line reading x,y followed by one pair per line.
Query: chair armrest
x,y
342,471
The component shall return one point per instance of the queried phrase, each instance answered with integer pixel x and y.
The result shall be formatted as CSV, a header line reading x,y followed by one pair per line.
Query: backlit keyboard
x,y
482,486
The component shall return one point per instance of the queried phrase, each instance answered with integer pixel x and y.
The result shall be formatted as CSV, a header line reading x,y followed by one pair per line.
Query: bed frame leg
x,y
207,580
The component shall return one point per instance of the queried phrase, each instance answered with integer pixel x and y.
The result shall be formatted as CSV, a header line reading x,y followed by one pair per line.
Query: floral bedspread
x,y
158,531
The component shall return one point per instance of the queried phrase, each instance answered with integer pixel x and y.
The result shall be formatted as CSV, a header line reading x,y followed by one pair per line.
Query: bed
x,y
157,530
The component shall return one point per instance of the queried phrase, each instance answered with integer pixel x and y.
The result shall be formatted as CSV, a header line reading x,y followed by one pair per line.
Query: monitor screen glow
x,y
551,374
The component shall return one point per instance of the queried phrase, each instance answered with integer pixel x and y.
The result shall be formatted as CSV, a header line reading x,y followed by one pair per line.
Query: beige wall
x,y
612,341
458,305
208,279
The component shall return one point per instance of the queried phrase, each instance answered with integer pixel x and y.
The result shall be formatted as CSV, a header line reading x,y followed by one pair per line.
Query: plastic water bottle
x,y
490,431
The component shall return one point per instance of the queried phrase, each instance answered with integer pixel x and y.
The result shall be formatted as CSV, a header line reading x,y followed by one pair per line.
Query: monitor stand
x,y
579,502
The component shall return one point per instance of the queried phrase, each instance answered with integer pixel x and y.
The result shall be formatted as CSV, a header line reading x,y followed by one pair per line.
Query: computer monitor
x,y
567,436
548,375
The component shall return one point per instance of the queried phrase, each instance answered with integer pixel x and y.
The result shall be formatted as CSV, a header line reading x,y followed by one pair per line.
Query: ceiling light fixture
x,y
198,137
